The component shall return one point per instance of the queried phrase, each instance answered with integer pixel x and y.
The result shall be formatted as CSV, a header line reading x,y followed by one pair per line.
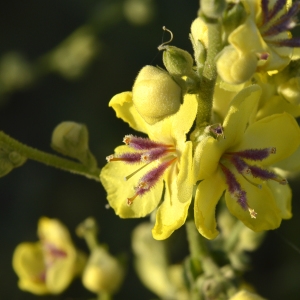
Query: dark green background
x,y
33,28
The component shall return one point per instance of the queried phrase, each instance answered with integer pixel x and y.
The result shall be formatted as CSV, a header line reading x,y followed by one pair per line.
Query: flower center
x,y
146,151
274,22
238,161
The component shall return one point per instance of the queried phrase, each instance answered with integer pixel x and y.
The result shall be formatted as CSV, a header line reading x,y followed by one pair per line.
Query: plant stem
x,y
209,74
49,159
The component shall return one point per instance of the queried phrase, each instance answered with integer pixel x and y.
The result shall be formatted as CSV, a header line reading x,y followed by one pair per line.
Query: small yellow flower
x,y
262,43
163,162
240,166
47,266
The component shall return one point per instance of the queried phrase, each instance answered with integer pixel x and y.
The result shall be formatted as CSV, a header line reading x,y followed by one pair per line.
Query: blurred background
x,y
63,60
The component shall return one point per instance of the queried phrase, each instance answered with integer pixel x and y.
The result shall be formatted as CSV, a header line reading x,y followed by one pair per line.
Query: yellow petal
x,y
28,263
241,113
171,214
124,108
283,197
208,194
277,104
118,190
280,131
262,201
184,177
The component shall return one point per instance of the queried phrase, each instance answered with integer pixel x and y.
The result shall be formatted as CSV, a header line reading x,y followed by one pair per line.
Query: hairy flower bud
x,y
155,94
9,159
71,139
212,8
177,61
103,272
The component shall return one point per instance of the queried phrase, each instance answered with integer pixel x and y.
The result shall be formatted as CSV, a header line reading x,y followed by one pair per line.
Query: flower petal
x,y
28,263
125,109
241,113
280,131
262,201
118,190
184,177
283,197
171,214
208,194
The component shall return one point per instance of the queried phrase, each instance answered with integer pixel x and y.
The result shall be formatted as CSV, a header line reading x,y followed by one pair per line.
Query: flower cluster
x,y
231,143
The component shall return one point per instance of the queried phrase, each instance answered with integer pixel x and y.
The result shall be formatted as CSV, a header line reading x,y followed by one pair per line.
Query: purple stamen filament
x,y
147,151
237,159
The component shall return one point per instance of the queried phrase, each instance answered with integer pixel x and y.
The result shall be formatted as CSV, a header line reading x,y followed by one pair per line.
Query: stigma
x,y
143,152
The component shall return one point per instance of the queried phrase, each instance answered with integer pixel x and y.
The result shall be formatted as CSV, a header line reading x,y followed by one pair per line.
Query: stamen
x,y
255,154
278,6
150,179
129,158
140,143
155,154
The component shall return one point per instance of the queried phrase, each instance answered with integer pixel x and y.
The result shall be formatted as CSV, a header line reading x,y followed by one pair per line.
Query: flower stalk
x,y
50,159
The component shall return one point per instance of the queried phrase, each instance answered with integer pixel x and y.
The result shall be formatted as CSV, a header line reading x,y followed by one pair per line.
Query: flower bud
x,y
234,67
71,139
155,94
9,159
178,62
103,272
212,8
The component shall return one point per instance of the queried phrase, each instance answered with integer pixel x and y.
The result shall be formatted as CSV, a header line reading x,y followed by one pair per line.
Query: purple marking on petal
x,y
279,4
263,174
255,154
265,10
140,143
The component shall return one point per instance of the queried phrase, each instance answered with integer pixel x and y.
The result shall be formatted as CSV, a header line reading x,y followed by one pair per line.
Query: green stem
x,y
49,159
199,250
209,74
104,296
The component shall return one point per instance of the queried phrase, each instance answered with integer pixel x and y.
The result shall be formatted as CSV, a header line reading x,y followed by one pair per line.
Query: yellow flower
x,y
262,43
47,266
164,167
240,166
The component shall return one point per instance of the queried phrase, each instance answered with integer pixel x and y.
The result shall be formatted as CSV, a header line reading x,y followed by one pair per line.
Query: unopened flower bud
x,y
155,94
71,139
177,61
9,159
235,67
212,8
233,17
103,272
